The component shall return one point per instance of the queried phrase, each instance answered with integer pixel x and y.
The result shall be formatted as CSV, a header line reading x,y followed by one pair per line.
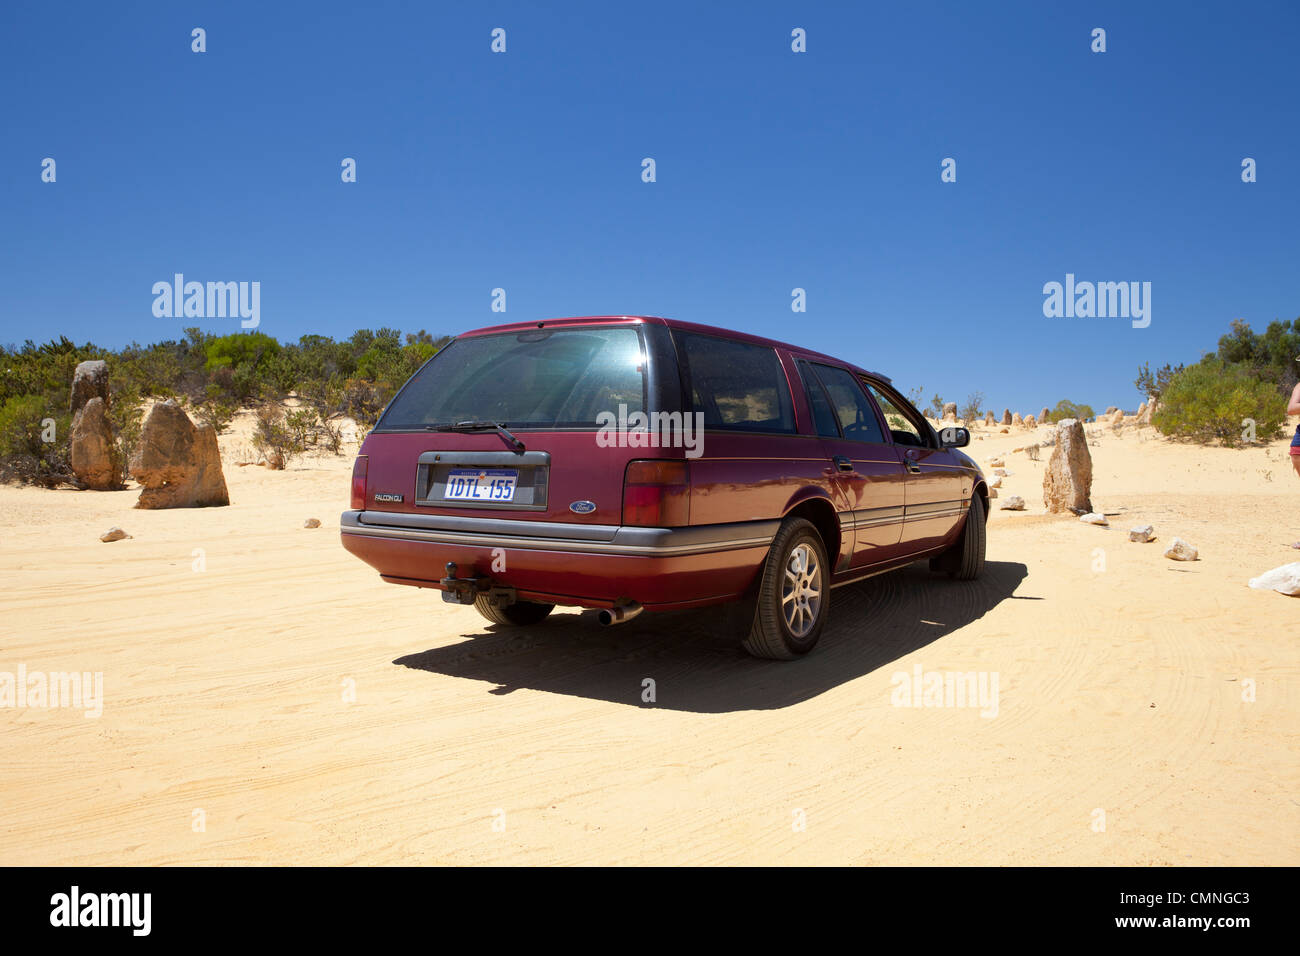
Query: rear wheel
x,y
793,596
519,614
965,559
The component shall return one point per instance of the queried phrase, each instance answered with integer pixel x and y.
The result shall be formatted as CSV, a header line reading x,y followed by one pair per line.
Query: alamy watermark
x,y
1102,300
213,300
923,688
653,430
84,690
75,908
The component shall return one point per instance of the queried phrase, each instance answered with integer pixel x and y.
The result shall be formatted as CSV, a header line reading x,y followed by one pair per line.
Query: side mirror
x,y
954,437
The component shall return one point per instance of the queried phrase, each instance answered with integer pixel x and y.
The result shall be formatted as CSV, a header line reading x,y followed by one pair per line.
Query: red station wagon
x,y
631,464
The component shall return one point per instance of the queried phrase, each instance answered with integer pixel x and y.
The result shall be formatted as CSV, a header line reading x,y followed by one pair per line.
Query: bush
x,y
34,441
217,411
304,426
1269,355
124,416
1067,409
363,402
973,407
331,436
162,370
326,396
1152,384
282,374
1214,400
241,348
215,376
42,369
307,429
275,439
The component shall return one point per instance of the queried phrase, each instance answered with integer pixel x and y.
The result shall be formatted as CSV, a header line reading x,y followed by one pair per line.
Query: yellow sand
x,y
1120,691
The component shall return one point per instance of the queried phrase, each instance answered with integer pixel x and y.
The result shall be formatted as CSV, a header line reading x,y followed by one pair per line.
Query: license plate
x,y
473,484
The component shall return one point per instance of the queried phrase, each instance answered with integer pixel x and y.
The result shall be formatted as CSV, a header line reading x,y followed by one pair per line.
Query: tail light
x,y
359,482
656,494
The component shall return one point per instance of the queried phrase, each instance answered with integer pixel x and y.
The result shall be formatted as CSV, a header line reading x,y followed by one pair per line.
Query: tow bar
x,y
463,590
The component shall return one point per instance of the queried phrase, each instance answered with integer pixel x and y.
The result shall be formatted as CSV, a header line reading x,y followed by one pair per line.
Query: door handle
x,y
842,463
913,467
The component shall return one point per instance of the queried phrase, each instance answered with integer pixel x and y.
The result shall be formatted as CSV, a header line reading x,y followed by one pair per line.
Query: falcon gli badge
x,y
384,496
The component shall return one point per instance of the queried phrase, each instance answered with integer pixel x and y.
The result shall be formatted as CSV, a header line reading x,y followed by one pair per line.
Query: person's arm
x,y
1294,407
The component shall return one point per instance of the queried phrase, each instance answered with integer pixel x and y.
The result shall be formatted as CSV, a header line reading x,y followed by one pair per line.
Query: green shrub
x,y
34,441
1270,355
246,384
364,402
162,370
42,369
1152,384
241,348
251,358
1213,400
282,373
304,426
217,410
1067,409
275,439
124,409
215,376
331,436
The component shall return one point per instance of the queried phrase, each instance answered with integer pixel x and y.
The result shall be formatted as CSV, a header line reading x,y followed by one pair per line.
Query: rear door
x,y
754,457
938,489
866,466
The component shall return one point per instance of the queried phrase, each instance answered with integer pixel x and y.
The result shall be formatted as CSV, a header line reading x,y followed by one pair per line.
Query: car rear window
x,y
545,378
823,414
736,385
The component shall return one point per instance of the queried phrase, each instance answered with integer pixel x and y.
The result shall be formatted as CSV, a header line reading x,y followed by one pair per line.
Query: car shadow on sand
x,y
696,661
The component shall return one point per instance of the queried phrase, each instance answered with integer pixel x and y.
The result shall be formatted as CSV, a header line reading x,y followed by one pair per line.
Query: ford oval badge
x,y
582,507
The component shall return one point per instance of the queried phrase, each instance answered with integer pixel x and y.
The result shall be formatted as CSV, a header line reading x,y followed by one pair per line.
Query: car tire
x,y
519,614
793,594
965,559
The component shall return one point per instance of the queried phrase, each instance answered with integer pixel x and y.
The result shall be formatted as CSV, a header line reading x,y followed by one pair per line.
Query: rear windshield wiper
x,y
476,426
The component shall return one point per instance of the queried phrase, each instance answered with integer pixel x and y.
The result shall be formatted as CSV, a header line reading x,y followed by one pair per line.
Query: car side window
x,y
736,385
823,415
852,408
903,427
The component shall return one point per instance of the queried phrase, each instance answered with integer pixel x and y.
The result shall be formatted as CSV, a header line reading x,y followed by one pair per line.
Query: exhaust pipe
x,y
619,613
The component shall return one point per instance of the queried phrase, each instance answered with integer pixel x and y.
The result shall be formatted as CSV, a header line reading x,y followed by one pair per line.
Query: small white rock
x,y
1285,579
1093,517
1180,550
113,534
1013,503
1142,534
996,462
996,482
311,523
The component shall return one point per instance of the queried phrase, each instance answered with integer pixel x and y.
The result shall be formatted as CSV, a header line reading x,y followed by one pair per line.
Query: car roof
x,y
572,321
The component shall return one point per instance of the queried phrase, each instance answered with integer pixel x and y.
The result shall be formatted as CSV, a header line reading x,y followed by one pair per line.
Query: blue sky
x,y
775,170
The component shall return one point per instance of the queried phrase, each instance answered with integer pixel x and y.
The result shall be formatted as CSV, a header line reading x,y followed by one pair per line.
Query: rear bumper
x,y
574,564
